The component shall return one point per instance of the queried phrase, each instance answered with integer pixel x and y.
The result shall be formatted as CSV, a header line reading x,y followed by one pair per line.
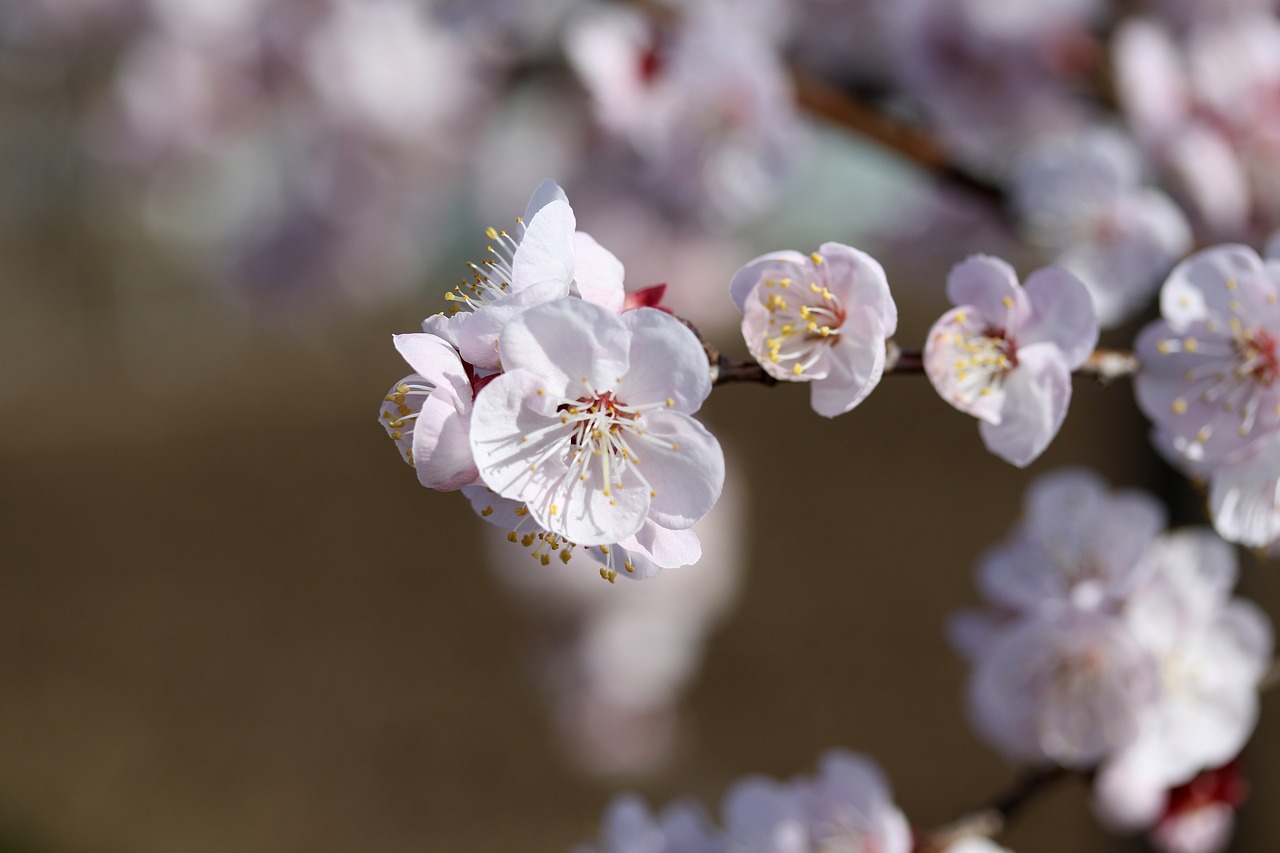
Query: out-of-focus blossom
x,y
975,844
1210,376
1082,198
1070,689
428,413
1006,352
613,665
1078,545
630,827
822,319
1211,651
1203,107
1148,672
992,75
1211,383
1200,815
707,105
590,425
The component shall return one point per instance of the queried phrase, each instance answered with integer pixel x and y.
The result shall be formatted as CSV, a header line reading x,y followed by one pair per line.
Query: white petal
x,y
684,465
1037,394
776,265
597,273
441,446
854,366
666,362
1062,313
545,252
574,347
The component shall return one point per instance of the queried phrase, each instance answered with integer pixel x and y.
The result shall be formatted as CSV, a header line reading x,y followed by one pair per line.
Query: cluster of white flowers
x,y
1113,645
562,420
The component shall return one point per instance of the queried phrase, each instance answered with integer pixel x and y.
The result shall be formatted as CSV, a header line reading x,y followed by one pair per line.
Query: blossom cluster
x,y
847,806
1004,354
1110,644
562,412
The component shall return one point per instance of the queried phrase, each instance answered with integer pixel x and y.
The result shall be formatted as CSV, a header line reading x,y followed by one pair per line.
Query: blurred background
x,y
232,620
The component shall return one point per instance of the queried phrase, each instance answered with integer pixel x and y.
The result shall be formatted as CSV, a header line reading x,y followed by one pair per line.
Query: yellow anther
x,y
541,392
528,539
817,259
491,233
396,435
627,565
1164,347
654,494
1231,284
533,467
797,369
404,410
675,446
784,283
486,512
1008,302
960,315
512,537
1179,406
670,402
545,559
555,510
1190,344
522,511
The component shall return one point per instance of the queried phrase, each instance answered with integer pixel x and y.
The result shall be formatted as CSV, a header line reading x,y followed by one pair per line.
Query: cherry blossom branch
x,y
838,107
1105,365
992,819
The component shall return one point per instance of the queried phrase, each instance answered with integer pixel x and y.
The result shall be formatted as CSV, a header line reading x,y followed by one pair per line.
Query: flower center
x,y
983,361
803,322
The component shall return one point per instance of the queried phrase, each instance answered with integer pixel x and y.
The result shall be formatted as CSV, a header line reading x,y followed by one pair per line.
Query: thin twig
x,y
992,819
1105,365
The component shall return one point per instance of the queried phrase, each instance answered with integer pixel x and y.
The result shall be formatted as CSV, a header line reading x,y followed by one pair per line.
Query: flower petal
x,y
435,360
547,192
571,345
666,362
1199,288
545,252
684,465
597,273
1062,313
442,447
986,282
860,281
854,365
1037,394
782,264
479,330
667,548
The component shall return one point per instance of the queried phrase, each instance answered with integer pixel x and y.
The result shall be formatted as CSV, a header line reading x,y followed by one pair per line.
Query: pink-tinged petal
x,y
479,331
859,280
442,446
760,325
597,273
1062,313
1244,497
775,265
1206,284
435,360
509,410
960,375
547,192
972,632
1037,394
684,466
573,346
1130,791
855,365
667,549
990,285
1202,829
545,252
666,363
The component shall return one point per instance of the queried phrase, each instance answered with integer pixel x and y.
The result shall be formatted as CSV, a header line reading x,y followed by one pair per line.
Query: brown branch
x,y
838,107
992,819
1105,365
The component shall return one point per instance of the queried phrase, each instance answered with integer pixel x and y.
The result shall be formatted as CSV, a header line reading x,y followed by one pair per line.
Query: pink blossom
x,y
630,827
589,426
1006,352
822,319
